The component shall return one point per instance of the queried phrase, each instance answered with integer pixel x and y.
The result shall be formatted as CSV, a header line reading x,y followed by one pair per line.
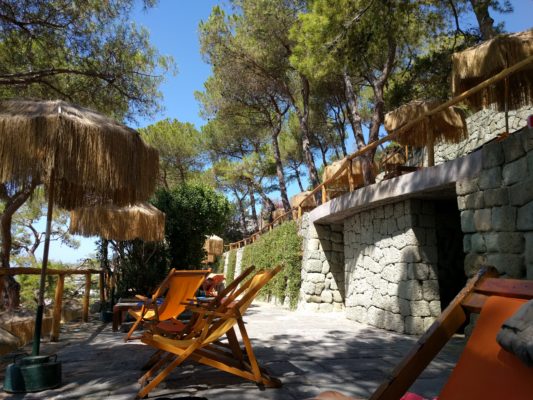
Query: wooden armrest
x,y
141,297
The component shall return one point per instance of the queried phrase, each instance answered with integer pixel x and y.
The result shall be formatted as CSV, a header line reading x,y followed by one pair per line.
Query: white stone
x,y
420,309
431,290
316,278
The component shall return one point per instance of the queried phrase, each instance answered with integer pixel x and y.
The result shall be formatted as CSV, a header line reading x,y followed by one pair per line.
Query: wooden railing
x,y
391,136
58,298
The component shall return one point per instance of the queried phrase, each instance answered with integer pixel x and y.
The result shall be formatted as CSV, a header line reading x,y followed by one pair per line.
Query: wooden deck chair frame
x,y
471,299
211,304
205,346
172,304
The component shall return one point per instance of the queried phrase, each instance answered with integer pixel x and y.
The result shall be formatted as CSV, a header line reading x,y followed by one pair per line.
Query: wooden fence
x,y
58,298
371,146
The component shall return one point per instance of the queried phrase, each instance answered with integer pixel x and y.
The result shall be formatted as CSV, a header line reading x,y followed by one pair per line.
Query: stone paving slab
x,y
309,352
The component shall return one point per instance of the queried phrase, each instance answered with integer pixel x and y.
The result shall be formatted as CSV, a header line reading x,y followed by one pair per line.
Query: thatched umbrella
x,y
82,158
139,221
214,245
447,126
477,64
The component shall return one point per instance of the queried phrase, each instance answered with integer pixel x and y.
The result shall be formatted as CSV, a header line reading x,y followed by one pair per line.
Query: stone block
x,y
496,197
492,155
325,245
512,148
388,211
461,203
478,243
515,171
490,178
511,265
337,237
337,298
325,307
337,228
399,209
393,322
505,242
473,263
529,158
319,288
428,321
313,244
504,219
314,255
410,290
414,325
435,308
313,265
483,220
467,221
521,192
527,139
308,287
467,243
529,249
524,220
474,200
316,277
467,186
430,290
420,309
391,255
326,296
417,271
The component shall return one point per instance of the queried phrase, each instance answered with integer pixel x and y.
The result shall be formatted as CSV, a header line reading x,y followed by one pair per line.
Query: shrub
x,y
283,246
230,274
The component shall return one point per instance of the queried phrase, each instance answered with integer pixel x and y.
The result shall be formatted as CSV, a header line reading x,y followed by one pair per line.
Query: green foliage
x,y
192,212
218,265
230,274
179,147
280,246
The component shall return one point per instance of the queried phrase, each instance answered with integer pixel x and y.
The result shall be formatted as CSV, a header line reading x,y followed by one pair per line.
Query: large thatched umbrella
x,y
477,64
81,157
447,126
139,221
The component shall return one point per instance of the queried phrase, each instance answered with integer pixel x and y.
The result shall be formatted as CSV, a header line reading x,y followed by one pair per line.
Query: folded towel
x,y
516,334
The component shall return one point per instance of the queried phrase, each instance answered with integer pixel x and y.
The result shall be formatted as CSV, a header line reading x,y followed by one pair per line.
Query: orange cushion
x,y
171,326
486,371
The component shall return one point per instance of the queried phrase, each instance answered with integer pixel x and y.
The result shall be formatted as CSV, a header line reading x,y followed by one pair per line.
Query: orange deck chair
x,y
175,328
179,286
204,345
484,370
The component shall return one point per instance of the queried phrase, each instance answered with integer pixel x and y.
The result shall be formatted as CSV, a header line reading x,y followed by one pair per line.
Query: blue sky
x,y
173,28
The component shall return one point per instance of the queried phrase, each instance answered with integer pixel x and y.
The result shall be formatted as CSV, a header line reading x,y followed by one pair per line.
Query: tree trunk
x,y
279,168
303,118
484,20
242,212
356,122
251,194
12,204
298,179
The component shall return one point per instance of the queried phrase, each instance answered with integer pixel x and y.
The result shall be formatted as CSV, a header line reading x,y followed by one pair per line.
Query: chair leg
x,y
132,329
164,359
153,359
162,375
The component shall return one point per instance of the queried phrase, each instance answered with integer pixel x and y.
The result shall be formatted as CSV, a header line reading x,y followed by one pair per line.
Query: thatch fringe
x,y
299,200
446,126
140,221
95,159
214,245
341,182
476,64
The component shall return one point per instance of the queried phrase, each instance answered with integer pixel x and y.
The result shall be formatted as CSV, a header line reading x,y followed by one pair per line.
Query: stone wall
x,y
226,262
390,267
238,262
322,286
497,208
483,126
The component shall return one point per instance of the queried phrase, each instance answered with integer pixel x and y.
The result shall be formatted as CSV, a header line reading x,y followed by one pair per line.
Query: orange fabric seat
x,y
485,370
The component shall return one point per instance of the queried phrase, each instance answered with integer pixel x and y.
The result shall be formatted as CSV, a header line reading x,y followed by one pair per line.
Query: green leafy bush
x,y
230,274
282,246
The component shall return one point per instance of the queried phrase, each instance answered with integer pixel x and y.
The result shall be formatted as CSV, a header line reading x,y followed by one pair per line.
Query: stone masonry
x,y
390,267
322,286
483,126
497,208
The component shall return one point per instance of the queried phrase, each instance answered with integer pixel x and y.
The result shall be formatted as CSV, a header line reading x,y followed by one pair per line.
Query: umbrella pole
x,y
40,301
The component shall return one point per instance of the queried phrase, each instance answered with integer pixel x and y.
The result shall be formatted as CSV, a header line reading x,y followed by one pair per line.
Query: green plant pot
x,y
33,374
106,316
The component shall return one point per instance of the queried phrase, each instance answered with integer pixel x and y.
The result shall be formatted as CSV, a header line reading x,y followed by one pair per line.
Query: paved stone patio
x,y
309,352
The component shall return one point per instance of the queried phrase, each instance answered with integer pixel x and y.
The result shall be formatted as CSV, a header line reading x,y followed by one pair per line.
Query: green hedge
x,y
283,246
230,274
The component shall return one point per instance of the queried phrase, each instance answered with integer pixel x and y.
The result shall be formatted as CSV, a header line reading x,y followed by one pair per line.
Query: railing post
x,y
299,212
56,321
351,183
85,314
324,194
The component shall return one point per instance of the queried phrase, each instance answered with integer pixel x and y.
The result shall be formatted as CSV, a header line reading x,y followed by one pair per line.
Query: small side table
x,y
122,307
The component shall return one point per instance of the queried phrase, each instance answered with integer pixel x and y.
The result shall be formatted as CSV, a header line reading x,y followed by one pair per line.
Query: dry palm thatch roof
x,y
214,245
91,158
140,221
476,64
300,200
449,125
